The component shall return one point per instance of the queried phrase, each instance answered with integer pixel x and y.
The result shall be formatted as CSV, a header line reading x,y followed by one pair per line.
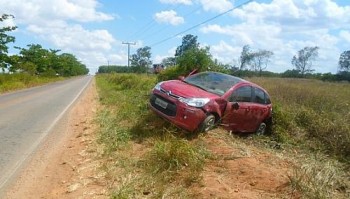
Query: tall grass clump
x,y
172,154
319,179
173,161
311,113
10,82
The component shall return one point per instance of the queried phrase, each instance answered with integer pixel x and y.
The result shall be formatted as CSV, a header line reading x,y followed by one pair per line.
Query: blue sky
x,y
94,30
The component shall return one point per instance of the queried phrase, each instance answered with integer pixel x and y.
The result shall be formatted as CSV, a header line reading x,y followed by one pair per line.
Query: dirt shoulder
x,y
65,166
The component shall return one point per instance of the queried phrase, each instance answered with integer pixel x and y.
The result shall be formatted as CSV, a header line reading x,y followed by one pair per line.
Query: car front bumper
x,y
178,113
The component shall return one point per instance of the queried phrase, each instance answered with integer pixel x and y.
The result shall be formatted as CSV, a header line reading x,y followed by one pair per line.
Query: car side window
x,y
242,94
259,96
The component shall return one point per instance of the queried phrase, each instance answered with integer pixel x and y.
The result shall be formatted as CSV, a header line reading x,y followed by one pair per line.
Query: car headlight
x,y
157,86
195,102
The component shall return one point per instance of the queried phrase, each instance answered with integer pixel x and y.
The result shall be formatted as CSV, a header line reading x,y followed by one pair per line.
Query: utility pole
x,y
129,43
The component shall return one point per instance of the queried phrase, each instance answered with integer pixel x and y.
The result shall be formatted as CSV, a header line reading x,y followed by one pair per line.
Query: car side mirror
x,y
182,78
235,106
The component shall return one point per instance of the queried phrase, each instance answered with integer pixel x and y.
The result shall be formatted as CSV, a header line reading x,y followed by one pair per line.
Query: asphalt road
x,y
28,116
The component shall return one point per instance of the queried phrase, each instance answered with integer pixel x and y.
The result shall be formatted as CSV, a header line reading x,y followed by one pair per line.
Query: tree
x,y
169,61
70,66
260,60
188,42
37,55
40,61
4,40
344,61
142,59
246,57
189,56
199,59
303,60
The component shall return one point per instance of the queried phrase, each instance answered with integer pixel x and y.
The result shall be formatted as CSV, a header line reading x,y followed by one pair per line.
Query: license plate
x,y
161,103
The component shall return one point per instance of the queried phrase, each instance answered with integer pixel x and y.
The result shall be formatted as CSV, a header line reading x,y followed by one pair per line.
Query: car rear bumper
x,y
178,113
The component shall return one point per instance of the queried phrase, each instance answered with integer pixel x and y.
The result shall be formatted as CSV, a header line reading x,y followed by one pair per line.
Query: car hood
x,y
185,90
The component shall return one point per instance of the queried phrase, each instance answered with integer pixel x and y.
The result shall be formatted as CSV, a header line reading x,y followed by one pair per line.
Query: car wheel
x,y
261,129
207,124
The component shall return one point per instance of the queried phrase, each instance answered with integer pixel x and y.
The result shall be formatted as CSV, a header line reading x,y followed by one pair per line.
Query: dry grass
x,y
312,113
320,178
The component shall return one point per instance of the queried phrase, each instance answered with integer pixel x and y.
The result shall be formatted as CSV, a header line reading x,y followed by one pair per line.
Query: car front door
x,y
239,114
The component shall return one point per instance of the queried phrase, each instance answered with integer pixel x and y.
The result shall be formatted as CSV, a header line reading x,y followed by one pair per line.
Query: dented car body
x,y
203,100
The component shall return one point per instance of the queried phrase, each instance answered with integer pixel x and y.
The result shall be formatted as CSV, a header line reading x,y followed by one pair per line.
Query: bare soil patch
x,y
243,171
66,165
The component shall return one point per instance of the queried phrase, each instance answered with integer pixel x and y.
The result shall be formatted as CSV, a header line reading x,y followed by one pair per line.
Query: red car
x,y
203,100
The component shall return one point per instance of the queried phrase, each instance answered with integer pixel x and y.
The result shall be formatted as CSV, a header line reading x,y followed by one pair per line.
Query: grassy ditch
x,y
10,82
146,156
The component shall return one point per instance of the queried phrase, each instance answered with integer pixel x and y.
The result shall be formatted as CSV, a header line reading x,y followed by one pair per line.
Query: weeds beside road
x,y
10,82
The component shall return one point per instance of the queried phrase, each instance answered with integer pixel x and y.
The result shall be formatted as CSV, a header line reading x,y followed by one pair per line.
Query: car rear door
x,y
261,105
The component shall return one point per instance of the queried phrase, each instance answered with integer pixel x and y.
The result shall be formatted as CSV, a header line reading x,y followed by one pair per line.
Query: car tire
x,y
261,129
207,124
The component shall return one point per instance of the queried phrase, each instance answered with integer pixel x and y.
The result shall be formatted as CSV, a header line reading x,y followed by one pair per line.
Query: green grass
x,y
10,82
148,157
167,162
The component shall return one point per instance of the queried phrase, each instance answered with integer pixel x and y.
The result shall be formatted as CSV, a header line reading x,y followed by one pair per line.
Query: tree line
x,y
35,60
190,56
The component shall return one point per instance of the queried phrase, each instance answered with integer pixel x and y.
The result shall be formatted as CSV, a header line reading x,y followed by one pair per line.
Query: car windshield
x,y
216,83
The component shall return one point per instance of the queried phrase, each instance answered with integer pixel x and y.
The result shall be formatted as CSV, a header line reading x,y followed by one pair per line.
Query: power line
x,y
150,24
204,22
153,34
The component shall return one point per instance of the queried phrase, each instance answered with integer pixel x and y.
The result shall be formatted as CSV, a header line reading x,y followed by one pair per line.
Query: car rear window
x,y
260,96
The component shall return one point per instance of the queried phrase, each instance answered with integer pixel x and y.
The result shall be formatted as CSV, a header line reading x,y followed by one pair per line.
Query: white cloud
x,y
217,5
345,35
306,15
36,11
169,17
224,52
286,26
243,34
79,10
185,2
58,22
9,22
159,58
92,47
